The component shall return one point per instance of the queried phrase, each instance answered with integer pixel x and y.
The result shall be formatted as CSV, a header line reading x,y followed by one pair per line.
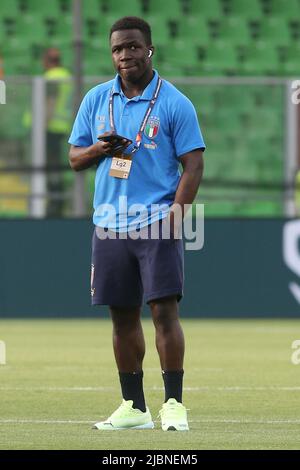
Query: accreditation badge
x,y
120,167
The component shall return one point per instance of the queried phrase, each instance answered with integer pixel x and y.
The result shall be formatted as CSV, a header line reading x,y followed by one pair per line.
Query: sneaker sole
x,y
109,427
174,428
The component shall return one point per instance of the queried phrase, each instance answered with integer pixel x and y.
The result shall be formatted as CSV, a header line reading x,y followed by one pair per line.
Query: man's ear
x,y
150,51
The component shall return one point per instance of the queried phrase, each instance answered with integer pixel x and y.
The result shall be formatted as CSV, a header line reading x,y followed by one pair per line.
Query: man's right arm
x,y
81,158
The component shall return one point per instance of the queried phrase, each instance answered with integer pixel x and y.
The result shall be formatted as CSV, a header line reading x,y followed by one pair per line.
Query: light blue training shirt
x,y
171,131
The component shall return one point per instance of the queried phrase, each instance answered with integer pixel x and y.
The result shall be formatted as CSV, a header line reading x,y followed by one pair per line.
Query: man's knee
x,y
164,312
125,320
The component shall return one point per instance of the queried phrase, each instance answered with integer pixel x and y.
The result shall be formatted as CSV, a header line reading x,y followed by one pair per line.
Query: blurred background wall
x,y
247,268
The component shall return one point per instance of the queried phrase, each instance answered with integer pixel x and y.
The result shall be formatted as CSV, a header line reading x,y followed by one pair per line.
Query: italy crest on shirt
x,y
152,127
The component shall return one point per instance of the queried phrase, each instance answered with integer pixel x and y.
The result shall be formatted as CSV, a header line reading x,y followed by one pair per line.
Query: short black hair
x,y
133,22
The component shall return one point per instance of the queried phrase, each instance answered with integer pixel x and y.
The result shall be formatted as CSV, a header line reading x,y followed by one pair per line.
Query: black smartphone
x,y
113,137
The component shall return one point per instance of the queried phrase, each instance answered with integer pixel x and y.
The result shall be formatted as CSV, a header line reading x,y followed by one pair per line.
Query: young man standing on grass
x,y
161,131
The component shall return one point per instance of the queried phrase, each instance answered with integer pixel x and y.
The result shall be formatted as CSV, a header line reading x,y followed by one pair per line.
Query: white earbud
x,y
150,53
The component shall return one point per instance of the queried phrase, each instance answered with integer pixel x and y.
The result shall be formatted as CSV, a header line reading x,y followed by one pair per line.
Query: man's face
x,y
130,54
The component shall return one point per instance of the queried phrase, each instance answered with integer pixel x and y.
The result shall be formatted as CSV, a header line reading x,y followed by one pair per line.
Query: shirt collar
x,y
147,93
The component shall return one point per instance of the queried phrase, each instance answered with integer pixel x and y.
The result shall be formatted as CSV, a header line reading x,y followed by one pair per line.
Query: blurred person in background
x,y
58,116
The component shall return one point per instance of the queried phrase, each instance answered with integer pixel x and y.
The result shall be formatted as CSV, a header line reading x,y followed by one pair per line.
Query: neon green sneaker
x,y
173,416
126,417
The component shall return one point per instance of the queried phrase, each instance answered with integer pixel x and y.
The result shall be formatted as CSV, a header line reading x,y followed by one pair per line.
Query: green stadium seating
x,y
16,66
96,30
220,60
236,97
194,30
205,8
240,149
166,8
19,54
203,24
246,8
260,60
228,120
64,30
290,63
123,8
34,29
97,61
93,30
66,6
92,9
8,8
234,30
41,8
159,29
8,27
203,98
264,121
273,97
180,59
275,31
285,9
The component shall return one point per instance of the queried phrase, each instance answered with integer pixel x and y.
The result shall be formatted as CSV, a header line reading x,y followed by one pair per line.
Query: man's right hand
x,y
102,149
118,145
82,158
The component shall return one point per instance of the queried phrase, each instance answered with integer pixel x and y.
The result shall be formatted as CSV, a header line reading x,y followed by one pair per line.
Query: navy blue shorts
x,y
128,272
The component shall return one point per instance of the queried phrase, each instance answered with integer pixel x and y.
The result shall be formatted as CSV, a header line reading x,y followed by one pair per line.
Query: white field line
x,y
57,389
201,421
235,389
45,421
274,388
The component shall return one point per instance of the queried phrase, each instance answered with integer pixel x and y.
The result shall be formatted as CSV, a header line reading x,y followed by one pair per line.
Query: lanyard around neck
x,y
138,138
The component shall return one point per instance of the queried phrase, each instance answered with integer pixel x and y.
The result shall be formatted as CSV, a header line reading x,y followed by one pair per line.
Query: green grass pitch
x,y
241,387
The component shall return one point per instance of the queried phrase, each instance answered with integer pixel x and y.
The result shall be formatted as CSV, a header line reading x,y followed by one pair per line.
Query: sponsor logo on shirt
x,y
151,146
101,125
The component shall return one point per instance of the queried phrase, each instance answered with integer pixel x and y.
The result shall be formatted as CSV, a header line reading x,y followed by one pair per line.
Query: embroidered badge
x,y
152,127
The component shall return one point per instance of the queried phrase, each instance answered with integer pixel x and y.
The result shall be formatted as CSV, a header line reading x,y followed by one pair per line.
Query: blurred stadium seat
x,y
205,8
244,8
283,9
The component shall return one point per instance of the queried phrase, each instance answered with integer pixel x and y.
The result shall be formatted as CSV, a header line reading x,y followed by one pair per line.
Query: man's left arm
x,y
192,164
189,146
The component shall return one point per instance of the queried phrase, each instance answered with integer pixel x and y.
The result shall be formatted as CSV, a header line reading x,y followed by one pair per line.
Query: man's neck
x,y
131,89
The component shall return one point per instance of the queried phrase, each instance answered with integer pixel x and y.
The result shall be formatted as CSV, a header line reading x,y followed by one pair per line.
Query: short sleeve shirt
x,y
171,131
